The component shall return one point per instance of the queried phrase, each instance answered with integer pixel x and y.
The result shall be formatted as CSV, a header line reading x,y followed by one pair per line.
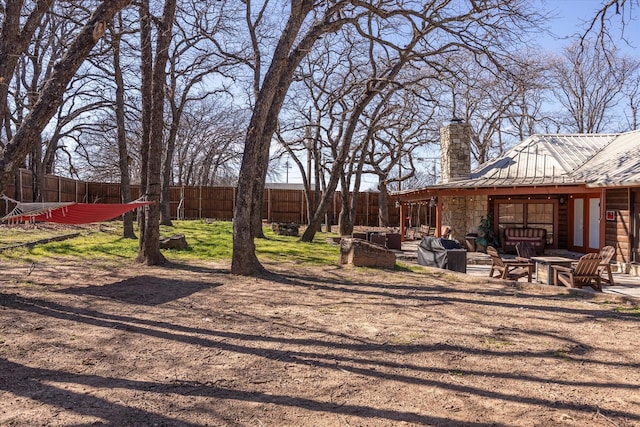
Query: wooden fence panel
x,y
218,203
192,203
280,205
101,192
67,189
25,187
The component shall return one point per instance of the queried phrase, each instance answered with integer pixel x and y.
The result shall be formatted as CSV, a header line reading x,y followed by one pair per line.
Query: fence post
x,y
200,202
269,205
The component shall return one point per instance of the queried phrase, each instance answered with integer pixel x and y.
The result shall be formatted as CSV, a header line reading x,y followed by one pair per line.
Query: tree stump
x,y
177,241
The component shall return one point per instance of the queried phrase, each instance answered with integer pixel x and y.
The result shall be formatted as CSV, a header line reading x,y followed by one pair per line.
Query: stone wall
x,y
455,151
463,214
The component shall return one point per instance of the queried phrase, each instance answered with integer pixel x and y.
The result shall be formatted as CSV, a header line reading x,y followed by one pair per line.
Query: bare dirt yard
x,y
190,345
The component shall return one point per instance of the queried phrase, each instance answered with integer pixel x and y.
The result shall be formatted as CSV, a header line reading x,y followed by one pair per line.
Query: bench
x,y
536,236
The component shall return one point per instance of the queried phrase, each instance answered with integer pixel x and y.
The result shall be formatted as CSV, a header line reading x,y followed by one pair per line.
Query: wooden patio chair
x,y
606,253
525,251
505,269
584,273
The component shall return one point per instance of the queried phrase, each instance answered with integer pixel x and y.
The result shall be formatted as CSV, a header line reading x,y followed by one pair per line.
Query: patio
x,y
479,264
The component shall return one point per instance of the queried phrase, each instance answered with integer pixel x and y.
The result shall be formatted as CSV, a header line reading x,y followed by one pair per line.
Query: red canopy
x,y
77,213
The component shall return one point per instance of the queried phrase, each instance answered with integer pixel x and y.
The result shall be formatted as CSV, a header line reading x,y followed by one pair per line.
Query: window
x,y
540,215
510,215
526,213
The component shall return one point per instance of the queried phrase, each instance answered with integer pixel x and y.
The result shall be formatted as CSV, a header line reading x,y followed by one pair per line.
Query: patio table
x,y
543,267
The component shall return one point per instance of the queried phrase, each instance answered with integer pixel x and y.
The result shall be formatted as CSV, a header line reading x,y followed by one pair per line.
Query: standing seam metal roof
x,y
585,159
546,159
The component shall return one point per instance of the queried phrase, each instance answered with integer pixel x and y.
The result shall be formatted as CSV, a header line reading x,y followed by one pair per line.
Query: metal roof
x,y
589,159
618,164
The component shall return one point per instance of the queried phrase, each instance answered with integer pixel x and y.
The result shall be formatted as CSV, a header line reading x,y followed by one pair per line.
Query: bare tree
x,y
588,82
119,106
527,114
292,46
402,125
149,248
51,95
632,94
471,29
600,25
14,41
47,46
325,85
209,144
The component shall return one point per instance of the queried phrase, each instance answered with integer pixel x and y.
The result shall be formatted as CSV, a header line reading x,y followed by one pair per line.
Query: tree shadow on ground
x,y
144,290
318,353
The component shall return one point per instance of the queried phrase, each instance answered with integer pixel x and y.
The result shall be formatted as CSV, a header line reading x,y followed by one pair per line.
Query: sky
x,y
570,18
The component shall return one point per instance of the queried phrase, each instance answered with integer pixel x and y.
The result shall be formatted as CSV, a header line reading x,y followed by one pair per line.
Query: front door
x,y
585,227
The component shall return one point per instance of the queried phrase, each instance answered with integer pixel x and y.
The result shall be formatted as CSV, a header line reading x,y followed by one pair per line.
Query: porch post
x,y
438,230
603,223
402,222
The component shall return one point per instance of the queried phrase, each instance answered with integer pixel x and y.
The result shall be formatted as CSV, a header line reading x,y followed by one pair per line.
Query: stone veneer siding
x,y
455,151
463,214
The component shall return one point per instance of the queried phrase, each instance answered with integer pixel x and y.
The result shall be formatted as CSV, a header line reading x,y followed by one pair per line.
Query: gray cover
x,y
442,253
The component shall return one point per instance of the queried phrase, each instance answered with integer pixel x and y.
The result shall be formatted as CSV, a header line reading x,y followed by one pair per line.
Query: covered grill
x,y
442,253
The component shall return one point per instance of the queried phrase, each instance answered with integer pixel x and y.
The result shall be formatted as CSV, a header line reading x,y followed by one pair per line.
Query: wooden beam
x,y
426,194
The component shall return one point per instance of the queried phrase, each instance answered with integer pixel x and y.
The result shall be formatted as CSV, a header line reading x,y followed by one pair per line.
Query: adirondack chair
x,y
584,273
506,269
606,253
525,251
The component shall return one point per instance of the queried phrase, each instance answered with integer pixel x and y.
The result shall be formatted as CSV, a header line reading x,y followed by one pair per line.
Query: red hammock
x,y
70,213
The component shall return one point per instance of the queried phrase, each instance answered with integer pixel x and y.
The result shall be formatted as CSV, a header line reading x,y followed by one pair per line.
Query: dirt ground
x,y
191,345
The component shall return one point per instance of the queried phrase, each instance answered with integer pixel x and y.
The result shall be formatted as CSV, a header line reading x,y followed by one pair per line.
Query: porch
x,y
479,264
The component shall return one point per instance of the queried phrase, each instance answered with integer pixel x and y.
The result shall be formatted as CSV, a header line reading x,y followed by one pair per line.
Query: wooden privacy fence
x,y
197,202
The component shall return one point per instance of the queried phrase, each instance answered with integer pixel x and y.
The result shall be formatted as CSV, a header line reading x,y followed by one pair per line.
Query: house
x,y
584,189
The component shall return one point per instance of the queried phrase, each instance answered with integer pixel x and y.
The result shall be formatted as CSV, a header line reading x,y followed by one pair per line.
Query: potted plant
x,y
486,236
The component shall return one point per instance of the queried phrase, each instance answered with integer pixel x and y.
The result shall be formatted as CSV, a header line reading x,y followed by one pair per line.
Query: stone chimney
x,y
455,151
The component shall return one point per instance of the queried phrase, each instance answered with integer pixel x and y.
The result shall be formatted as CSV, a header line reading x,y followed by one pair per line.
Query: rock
x,y
177,241
289,229
365,254
334,240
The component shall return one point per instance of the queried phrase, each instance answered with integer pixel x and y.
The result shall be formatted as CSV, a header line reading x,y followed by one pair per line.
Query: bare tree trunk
x,y
149,252
50,99
355,196
167,163
257,142
146,78
123,152
343,217
383,208
37,172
